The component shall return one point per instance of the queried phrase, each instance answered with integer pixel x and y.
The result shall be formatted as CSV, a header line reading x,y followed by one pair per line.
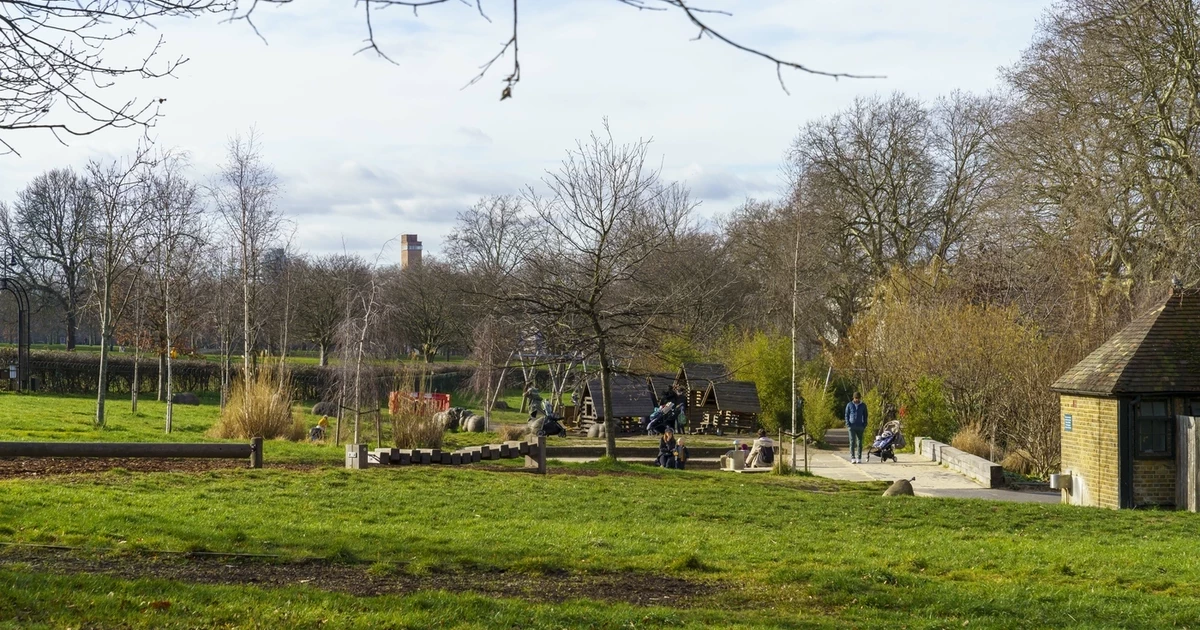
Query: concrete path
x,y
932,479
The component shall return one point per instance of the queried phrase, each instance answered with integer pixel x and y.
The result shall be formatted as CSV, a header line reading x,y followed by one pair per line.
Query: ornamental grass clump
x,y
261,409
415,421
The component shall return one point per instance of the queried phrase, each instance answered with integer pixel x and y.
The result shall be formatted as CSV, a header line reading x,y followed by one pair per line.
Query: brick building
x,y
1119,407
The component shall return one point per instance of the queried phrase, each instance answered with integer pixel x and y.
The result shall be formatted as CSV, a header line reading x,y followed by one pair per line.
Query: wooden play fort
x,y
716,402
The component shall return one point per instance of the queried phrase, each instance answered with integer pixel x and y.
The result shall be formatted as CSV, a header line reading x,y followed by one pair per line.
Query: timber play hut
x,y
1129,436
631,402
716,403
731,407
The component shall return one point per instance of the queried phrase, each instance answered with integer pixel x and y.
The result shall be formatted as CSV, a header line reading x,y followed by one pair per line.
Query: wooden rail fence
x,y
139,450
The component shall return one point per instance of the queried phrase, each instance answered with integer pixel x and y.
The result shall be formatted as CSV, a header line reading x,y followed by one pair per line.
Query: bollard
x,y
356,456
256,452
536,458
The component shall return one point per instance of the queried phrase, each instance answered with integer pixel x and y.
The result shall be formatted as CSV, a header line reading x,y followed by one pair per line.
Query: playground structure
x,y
253,451
360,456
18,373
715,403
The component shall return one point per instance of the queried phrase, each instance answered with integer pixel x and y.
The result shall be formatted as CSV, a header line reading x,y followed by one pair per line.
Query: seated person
x,y
666,450
318,432
758,454
681,454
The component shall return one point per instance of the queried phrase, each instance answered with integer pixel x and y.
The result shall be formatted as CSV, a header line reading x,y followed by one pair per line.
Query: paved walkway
x,y
932,479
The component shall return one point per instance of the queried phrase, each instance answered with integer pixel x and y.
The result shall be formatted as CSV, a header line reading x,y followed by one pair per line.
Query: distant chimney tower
x,y
410,251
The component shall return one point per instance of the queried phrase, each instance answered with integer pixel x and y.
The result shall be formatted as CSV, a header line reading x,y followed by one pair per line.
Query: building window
x,y
1155,429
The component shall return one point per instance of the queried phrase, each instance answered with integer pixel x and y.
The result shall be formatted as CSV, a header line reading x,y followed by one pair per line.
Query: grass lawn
x,y
594,545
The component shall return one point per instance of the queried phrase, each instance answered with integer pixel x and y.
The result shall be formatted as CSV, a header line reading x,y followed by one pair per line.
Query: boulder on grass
x,y
900,488
474,424
325,408
185,398
500,405
444,419
597,430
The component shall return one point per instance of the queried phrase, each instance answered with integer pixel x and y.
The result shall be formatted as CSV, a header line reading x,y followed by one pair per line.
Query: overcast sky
x,y
367,150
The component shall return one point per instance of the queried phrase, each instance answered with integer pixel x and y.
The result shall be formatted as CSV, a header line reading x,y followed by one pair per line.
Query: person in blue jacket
x,y
856,422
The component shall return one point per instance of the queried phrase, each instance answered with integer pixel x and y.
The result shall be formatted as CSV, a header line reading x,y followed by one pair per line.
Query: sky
x,y
366,149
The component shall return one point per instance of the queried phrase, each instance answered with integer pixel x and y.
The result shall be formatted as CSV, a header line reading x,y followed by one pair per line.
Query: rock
x,y
447,423
185,398
500,405
597,430
901,487
325,408
474,424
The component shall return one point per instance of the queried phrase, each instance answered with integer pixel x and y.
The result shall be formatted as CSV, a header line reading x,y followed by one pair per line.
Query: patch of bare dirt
x,y
41,467
641,589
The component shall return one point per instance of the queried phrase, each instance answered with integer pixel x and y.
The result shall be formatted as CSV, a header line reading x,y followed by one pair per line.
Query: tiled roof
x,y
1157,353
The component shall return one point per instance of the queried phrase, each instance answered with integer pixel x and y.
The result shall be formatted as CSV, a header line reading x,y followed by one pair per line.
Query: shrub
x,y
875,412
1020,462
819,416
927,412
767,361
512,432
263,409
970,440
413,421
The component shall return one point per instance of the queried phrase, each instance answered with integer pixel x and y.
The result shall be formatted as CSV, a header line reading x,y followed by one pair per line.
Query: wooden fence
x,y
138,450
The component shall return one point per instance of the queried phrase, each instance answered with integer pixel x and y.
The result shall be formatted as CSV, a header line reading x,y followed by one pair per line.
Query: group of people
x,y
669,414
671,451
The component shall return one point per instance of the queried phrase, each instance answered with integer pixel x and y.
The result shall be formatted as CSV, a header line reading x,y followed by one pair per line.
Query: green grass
x,y
793,552
789,552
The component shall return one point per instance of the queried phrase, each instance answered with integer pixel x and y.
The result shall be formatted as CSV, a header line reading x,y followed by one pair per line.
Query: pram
x,y
886,442
663,418
547,424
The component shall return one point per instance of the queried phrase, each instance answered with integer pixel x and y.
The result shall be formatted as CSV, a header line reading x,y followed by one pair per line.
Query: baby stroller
x,y
662,419
886,442
548,424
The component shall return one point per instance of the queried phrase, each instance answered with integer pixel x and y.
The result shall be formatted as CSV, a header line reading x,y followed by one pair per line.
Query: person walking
x,y
856,423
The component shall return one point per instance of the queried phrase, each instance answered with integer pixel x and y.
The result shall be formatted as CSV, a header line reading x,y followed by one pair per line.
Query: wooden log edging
x,y
138,450
533,452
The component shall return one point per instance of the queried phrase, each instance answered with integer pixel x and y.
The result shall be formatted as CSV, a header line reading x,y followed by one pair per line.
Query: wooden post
x,y
537,456
256,452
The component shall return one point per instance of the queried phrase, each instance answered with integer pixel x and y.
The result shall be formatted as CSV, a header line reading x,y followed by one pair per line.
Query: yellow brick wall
x,y
1089,450
1154,482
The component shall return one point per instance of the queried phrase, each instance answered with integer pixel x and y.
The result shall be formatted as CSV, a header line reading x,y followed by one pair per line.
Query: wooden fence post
x,y
256,452
537,455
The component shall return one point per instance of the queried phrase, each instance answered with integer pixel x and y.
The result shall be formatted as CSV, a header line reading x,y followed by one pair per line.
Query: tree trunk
x,y
167,327
102,382
324,360
137,381
72,324
610,423
247,349
162,369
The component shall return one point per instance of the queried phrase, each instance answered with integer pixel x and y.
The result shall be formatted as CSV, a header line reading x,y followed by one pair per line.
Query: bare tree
x,y
604,217
120,225
245,193
173,243
426,307
325,287
47,233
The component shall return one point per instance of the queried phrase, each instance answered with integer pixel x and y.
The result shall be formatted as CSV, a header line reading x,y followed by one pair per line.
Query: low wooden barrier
x,y
533,452
138,450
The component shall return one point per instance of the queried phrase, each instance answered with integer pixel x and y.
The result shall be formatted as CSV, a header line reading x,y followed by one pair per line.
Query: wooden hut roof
x,y
735,396
699,376
631,396
1157,353
660,384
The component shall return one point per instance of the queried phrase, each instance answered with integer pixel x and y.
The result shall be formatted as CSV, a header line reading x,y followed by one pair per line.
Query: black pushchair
x,y
548,424
886,442
663,418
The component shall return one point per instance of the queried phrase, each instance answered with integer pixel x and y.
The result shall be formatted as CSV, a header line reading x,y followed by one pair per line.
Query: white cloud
x,y
368,150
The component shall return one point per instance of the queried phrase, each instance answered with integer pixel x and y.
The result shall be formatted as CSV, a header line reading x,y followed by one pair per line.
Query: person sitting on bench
x,y
763,451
